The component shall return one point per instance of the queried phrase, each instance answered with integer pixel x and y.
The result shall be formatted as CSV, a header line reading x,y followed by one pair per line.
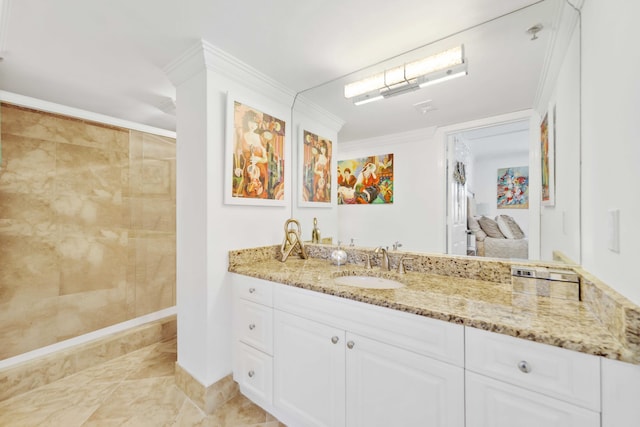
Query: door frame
x,y
445,133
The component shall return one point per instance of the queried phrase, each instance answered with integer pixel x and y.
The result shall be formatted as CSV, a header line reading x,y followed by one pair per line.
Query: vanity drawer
x,y
254,325
252,289
254,374
568,375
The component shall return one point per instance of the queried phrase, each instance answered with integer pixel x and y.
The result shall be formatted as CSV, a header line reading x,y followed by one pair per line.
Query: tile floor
x,y
136,390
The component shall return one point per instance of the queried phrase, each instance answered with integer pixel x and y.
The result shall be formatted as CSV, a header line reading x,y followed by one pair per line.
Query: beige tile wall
x,y
87,227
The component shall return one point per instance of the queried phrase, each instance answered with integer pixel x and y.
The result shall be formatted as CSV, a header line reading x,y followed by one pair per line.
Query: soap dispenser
x,y
339,256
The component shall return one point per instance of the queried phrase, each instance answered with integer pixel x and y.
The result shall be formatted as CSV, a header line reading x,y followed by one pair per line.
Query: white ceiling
x,y
108,56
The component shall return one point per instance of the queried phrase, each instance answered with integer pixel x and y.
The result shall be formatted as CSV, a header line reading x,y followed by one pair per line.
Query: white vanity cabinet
x,y
620,394
309,372
511,382
390,386
338,362
313,359
253,338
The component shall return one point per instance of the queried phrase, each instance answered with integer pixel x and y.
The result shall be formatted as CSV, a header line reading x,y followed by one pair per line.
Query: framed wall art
x,y
513,188
547,158
366,181
254,155
315,169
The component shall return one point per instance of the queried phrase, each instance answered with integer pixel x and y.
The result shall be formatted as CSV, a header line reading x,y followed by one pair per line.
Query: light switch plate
x,y
613,230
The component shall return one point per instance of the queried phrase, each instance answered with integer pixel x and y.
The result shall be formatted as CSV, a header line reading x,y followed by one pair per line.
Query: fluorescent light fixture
x,y
443,76
367,98
408,77
363,86
399,89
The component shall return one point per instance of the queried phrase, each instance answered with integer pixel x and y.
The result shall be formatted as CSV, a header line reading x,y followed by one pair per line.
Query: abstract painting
x,y
255,156
316,173
513,188
547,158
366,181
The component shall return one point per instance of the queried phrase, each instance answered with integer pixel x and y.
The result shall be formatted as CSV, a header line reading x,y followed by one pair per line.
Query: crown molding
x,y
314,112
205,56
395,139
52,107
567,19
185,66
490,121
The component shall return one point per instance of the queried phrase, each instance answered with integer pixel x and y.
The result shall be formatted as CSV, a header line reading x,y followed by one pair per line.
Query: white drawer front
x,y
491,403
254,374
254,325
252,289
564,374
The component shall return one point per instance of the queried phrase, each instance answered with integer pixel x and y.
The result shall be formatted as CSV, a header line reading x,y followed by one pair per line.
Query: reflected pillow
x,y
474,226
509,227
490,227
472,223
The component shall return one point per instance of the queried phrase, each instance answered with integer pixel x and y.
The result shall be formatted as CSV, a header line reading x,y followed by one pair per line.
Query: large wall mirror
x,y
522,71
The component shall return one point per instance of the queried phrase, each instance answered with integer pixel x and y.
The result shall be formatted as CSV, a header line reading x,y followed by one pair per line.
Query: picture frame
x,y
513,188
366,180
254,155
547,159
316,166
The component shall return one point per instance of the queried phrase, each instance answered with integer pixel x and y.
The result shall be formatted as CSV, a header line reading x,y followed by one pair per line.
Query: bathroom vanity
x,y
443,350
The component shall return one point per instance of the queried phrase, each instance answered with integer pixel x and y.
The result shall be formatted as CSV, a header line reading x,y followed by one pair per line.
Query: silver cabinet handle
x,y
524,366
252,290
252,327
334,339
251,374
350,344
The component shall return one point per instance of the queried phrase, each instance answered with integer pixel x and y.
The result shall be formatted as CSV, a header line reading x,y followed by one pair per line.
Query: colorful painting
x,y
513,188
366,180
316,168
255,141
547,163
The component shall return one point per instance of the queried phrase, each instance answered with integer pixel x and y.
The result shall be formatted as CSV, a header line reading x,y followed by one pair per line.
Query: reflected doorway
x,y
488,172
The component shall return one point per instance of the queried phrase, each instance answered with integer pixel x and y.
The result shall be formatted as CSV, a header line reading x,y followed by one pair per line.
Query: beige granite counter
x,y
461,290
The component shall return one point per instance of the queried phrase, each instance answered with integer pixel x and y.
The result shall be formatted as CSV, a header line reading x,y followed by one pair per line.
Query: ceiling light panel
x,y
407,77
436,62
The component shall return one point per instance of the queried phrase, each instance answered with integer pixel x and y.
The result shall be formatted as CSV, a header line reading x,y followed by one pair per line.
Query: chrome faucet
x,y
384,264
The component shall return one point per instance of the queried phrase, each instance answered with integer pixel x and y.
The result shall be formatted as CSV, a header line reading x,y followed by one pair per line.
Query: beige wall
x,y
87,227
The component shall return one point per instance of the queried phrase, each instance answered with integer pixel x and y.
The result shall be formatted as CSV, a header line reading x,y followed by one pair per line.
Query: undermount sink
x,y
368,282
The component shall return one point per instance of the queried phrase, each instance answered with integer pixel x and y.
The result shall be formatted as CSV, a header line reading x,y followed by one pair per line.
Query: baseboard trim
x,y
28,375
210,398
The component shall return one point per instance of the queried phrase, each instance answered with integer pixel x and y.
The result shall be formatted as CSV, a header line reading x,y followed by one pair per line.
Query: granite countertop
x,y
482,304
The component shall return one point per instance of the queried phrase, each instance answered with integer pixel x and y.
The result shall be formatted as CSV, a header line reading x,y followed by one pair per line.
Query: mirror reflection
x,y
467,152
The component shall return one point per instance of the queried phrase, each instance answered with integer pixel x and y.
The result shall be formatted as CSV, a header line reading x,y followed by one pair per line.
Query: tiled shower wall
x,y
87,227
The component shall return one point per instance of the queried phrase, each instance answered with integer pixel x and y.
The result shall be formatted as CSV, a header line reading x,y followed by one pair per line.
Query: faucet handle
x,y
396,245
353,239
401,269
367,264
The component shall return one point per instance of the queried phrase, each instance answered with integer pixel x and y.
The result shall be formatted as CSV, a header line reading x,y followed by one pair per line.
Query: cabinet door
x,y
309,370
492,403
389,386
